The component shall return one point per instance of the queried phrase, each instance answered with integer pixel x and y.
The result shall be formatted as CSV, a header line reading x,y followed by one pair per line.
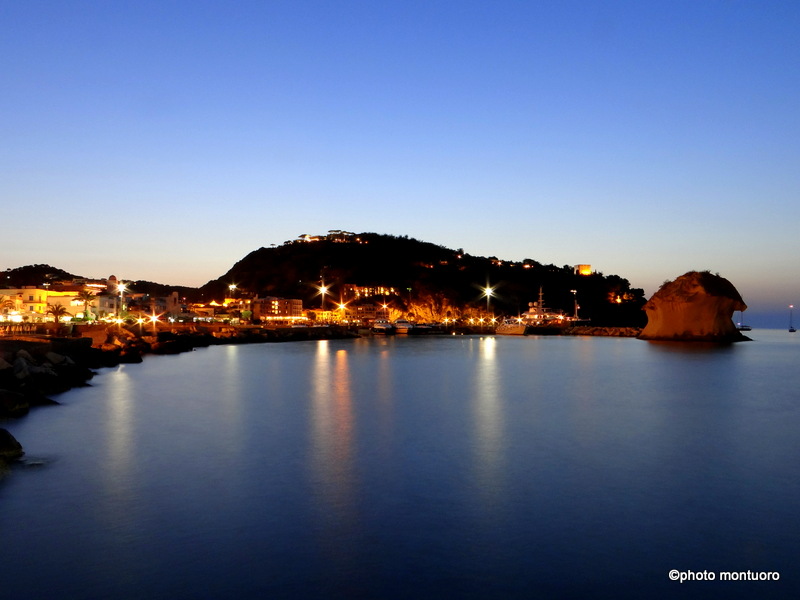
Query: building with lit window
x,y
354,293
277,309
583,269
30,303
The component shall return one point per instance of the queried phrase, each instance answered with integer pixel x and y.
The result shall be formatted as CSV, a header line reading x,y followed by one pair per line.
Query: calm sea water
x,y
438,467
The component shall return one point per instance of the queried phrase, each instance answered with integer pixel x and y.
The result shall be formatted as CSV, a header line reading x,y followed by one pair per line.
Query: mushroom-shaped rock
x,y
697,306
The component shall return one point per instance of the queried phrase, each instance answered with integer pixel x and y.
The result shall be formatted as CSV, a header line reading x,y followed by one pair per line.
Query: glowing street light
x,y
323,289
488,292
121,288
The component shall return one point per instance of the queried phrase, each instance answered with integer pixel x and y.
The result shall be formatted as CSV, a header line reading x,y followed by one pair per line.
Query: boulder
x,y
13,404
130,355
10,448
697,306
58,359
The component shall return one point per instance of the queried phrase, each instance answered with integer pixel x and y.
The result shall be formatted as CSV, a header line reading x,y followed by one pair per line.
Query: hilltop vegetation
x,y
433,282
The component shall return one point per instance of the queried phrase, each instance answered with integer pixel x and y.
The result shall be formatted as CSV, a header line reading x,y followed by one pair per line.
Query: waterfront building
x,y
352,292
30,303
272,308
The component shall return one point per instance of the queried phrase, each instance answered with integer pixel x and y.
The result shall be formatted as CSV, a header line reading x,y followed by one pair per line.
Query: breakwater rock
x,y
10,450
31,371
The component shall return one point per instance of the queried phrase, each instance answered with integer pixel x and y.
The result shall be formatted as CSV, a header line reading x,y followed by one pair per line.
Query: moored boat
x,y
537,320
741,325
512,327
382,326
403,326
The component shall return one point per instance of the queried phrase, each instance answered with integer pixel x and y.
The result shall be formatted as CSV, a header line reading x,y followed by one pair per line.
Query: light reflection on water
x,y
473,467
332,438
116,511
489,444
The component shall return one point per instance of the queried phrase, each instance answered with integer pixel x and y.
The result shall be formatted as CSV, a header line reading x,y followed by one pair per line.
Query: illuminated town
x,y
366,283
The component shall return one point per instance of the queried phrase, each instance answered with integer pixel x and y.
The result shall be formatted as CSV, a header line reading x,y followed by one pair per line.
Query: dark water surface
x,y
440,467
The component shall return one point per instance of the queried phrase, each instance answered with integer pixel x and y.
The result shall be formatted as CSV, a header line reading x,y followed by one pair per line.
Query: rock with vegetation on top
x,y
697,306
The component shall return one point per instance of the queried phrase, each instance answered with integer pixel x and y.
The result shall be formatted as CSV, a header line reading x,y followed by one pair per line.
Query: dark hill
x,y
34,275
433,282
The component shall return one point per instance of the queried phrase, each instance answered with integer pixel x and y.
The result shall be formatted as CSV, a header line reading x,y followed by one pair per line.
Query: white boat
x,y
741,326
382,326
512,327
403,326
537,320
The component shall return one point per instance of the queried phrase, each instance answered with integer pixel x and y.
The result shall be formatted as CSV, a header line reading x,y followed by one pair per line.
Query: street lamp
x,y
575,301
153,321
323,289
488,292
121,289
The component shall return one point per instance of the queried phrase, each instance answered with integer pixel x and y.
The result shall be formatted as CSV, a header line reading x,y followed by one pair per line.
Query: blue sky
x,y
166,140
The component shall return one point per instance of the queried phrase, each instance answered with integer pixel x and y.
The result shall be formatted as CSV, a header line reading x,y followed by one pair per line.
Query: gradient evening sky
x,y
166,140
